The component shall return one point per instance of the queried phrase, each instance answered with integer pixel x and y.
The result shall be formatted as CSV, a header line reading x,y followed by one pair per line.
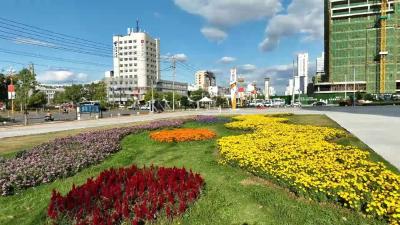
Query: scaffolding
x,y
362,35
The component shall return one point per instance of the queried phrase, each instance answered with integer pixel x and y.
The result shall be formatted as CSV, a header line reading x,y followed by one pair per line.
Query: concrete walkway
x,y
381,133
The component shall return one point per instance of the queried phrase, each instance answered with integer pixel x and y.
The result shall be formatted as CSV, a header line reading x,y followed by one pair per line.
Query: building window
x,y
130,41
135,64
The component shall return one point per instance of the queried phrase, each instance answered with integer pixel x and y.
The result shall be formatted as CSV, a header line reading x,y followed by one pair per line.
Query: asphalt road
x,y
378,127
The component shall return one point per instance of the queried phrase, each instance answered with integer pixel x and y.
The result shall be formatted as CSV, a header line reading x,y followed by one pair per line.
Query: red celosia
x,y
128,194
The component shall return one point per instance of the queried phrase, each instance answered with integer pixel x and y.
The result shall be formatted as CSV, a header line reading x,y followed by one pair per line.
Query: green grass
x,y
231,195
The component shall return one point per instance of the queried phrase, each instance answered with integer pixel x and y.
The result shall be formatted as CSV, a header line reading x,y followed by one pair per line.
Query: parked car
x,y
268,103
145,107
278,102
319,104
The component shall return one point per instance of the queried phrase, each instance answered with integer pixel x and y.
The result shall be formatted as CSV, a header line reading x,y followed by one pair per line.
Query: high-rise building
x,y
205,79
136,66
320,64
361,47
267,86
301,79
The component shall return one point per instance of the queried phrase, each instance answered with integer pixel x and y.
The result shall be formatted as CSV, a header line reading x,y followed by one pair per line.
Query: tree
x,y
74,93
37,99
156,96
220,101
59,97
25,83
185,102
3,88
198,95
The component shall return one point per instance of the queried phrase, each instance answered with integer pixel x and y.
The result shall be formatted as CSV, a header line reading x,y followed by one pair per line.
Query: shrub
x,y
128,195
65,157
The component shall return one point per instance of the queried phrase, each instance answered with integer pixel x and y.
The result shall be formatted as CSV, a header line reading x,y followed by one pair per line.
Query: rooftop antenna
x,y
137,26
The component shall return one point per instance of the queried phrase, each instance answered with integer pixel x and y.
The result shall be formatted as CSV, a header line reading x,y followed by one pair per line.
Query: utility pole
x,y
354,87
294,84
345,87
173,82
152,98
10,74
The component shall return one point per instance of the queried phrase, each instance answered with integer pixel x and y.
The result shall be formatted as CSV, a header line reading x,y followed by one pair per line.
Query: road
x,y
378,127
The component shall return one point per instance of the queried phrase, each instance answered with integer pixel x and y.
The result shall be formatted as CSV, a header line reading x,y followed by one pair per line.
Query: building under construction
x,y
362,47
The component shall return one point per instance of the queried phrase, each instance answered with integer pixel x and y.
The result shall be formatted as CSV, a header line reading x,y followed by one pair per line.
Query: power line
x,y
52,67
62,40
45,57
43,43
54,33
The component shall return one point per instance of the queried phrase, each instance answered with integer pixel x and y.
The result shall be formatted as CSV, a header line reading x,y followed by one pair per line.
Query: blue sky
x,y
262,36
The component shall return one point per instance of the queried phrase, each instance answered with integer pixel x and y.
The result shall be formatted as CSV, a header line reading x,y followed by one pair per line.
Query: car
x,y
319,104
144,107
268,103
278,102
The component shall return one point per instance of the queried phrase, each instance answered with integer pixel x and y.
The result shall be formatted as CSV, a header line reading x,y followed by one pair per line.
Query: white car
x,y
145,107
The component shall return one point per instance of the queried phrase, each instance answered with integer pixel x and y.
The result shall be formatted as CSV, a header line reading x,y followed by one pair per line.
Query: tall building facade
x,y
205,79
136,61
301,79
353,46
320,64
267,86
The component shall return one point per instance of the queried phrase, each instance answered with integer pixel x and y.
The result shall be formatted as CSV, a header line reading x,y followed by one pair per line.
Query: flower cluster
x,y
303,158
128,195
182,135
211,119
65,157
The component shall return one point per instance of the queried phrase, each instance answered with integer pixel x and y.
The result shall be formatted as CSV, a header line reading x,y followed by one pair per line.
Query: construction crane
x,y
383,51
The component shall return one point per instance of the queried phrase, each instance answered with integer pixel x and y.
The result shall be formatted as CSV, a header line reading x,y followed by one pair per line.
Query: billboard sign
x,y
11,92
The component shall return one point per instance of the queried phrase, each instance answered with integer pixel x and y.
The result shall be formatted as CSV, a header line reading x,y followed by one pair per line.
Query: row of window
x,y
130,70
135,53
135,41
135,59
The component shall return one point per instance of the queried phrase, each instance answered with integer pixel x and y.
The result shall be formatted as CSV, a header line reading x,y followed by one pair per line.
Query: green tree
x,y
74,93
198,95
25,84
157,96
3,88
60,98
37,99
220,101
185,102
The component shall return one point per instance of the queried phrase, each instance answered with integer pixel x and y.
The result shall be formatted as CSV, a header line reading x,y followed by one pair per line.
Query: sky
x,y
259,37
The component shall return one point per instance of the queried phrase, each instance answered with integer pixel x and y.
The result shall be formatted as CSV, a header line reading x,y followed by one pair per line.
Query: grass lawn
x,y
231,195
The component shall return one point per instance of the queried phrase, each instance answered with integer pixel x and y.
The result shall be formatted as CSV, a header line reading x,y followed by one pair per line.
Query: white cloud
x,y
214,34
222,14
181,57
30,41
247,68
304,17
226,60
62,76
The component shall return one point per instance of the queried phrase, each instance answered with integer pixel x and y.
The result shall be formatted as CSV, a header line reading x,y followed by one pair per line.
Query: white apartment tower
x,y
267,87
136,61
301,81
321,63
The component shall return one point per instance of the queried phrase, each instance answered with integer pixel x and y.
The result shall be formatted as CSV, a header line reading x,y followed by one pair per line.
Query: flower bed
x,y
211,119
129,195
302,158
182,135
65,157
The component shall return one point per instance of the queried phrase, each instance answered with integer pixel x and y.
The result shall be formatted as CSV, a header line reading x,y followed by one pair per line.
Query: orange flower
x,y
182,135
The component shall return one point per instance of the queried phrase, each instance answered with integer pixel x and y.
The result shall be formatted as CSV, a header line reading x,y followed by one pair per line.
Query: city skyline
x,y
248,37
